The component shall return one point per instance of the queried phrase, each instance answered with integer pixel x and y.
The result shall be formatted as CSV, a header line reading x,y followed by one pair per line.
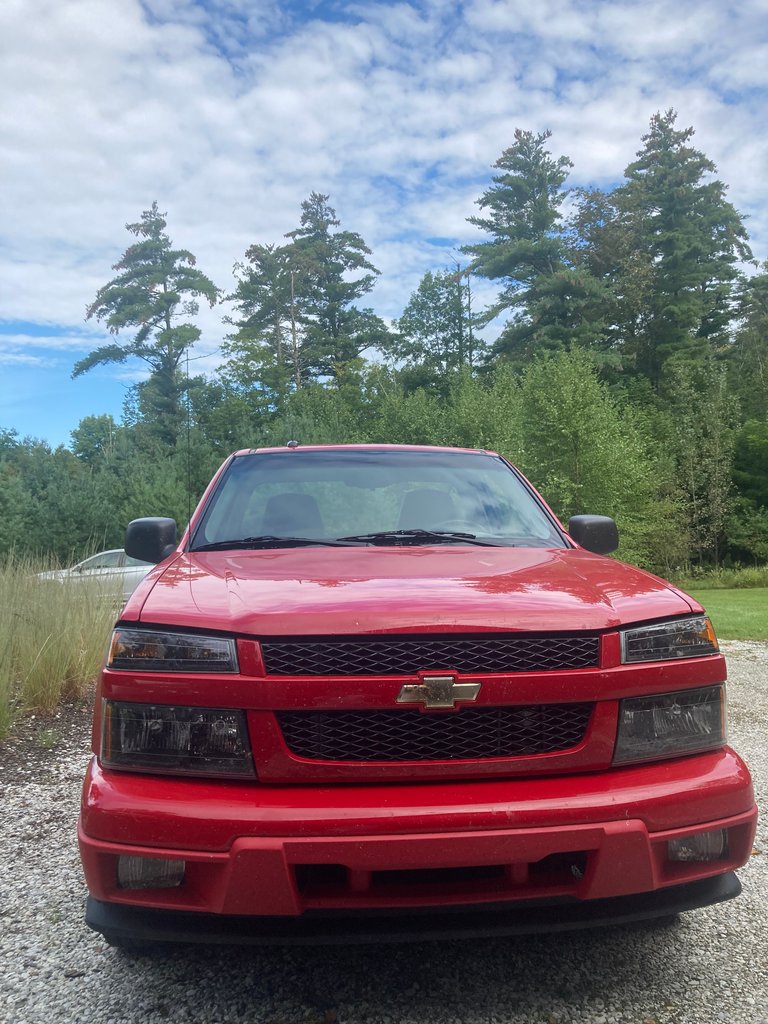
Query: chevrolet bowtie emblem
x,y
437,692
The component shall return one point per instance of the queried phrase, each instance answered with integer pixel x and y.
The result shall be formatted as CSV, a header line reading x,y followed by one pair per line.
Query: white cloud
x,y
229,113
546,19
46,342
20,359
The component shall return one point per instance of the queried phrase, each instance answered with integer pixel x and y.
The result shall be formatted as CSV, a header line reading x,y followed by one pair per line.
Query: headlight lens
x,y
683,638
147,651
670,724
161,738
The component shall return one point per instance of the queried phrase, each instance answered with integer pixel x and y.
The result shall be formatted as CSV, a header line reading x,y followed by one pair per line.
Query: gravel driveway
x,y
711,966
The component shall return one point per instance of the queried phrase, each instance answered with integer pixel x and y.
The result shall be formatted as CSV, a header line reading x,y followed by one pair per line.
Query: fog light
x,y
702,847
149,873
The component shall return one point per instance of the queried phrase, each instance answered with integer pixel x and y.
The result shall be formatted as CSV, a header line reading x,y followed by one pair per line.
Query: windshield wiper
x,y
269,540
417,536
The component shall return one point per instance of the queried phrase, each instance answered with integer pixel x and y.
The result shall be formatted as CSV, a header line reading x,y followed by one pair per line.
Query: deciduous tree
x,y
435,334
748,355
585,453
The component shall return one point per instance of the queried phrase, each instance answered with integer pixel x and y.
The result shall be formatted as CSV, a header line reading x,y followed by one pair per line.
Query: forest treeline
x,y
623,364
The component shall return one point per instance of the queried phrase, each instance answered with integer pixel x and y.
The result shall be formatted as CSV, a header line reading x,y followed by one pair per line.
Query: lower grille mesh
x,y
469,735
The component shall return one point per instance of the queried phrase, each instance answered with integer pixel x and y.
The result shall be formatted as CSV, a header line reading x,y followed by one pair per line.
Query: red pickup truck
x,y
378,692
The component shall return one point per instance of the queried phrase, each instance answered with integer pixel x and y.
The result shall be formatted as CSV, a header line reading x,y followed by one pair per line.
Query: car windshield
x,y
360,496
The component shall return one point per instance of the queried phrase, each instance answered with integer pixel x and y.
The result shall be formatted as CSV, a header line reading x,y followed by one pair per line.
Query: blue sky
x,y
230,112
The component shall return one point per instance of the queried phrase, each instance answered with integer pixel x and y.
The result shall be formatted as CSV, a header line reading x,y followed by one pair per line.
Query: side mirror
x,y
595,533
151,539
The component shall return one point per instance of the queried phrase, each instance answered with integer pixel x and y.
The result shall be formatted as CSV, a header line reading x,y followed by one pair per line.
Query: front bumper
x,y
561,847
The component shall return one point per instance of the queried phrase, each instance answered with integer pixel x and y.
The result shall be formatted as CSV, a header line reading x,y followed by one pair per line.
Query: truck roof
x,y
366,447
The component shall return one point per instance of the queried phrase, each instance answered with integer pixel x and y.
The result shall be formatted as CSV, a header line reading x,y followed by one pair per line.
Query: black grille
x,y
468,735
399,655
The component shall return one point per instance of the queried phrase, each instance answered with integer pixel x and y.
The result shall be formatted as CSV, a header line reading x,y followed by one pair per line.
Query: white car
x,y
113,572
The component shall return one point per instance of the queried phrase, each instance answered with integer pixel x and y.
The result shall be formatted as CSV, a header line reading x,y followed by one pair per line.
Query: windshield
x,y
373,496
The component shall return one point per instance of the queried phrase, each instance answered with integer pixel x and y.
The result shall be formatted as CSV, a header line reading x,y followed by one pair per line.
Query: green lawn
x,y
736,614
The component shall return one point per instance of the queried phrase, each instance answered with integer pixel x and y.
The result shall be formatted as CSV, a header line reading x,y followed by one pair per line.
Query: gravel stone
x,y
710,966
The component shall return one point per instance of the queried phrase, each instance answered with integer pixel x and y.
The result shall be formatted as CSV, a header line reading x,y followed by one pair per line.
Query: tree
x,y
750,463
747,528
553,303
323,263
266,349
587,455
602,245
748,355
15,497
295,315
156,287
703,416
435,332
93,438
63,509
748,532
689,238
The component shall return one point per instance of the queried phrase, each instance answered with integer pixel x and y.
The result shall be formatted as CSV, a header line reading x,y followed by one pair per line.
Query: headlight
x,y
147,651
670,724
162,738
683,638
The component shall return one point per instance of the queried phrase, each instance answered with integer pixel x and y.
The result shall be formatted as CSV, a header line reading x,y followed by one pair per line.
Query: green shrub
x,y
725,579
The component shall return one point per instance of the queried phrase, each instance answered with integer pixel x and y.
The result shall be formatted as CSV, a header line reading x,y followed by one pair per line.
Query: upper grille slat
x,y
406,655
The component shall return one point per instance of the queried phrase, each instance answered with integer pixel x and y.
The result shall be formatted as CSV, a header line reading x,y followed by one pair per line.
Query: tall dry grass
x,y
53,636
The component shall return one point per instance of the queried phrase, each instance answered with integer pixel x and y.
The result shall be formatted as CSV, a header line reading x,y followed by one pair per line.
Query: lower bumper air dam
x,y
129,924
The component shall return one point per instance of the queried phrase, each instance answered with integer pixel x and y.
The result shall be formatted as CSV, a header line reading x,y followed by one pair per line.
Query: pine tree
x,y
554,304
687,240
324,261
266,349
156,286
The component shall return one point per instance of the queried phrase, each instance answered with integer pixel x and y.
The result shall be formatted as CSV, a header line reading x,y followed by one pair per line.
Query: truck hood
x,y
321,591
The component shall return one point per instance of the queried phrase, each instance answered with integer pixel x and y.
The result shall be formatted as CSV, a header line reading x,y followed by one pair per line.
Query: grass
x,y
52,639
736,614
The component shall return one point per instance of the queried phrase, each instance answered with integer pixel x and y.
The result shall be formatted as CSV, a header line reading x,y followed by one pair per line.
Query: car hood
x,y
319,591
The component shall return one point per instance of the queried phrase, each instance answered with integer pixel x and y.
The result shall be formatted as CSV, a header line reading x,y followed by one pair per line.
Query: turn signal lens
x,y
682,638
145,650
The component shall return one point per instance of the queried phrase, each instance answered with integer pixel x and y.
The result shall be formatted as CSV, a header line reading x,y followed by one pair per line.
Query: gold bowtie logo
x,y
438,692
